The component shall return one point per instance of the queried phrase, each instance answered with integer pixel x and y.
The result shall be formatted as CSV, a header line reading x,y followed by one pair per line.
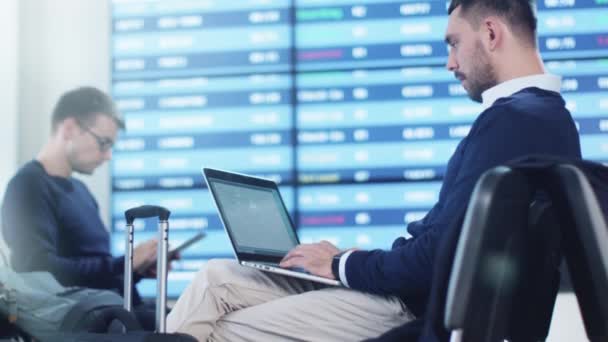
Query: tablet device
x,y
173,251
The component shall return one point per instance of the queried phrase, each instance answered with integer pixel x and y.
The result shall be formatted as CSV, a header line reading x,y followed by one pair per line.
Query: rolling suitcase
x,y
160,334
147,211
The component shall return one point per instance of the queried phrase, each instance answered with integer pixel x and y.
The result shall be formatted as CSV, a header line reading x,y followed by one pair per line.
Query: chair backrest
x,y
488,262
505,277
586,246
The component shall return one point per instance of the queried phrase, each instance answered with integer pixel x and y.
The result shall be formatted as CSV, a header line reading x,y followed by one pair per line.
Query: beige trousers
x,y
229,302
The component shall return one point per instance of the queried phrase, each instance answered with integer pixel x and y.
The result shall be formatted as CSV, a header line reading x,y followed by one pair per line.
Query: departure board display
x,y
346,34
346,104
182,37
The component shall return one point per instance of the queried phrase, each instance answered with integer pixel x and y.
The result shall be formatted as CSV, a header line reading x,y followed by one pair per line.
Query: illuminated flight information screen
x,y
335,34
346,104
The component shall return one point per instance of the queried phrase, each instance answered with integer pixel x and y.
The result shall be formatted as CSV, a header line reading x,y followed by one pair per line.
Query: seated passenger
x,y
50,220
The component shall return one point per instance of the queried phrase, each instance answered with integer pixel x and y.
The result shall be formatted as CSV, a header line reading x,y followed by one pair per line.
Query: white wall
x,y
8,89
8,100
63,44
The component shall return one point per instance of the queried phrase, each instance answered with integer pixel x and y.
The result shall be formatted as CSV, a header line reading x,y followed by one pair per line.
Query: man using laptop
x,y
493,53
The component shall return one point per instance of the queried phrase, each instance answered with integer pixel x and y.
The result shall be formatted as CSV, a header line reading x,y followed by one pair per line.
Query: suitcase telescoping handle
x,y
146,211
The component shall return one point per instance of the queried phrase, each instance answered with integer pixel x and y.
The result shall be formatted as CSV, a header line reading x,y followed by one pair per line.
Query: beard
x,y
482,77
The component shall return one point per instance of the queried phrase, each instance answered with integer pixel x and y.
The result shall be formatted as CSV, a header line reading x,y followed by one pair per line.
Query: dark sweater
x,y
53,224
531,121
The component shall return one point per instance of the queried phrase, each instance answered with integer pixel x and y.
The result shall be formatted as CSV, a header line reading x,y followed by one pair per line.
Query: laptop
x,y
258,224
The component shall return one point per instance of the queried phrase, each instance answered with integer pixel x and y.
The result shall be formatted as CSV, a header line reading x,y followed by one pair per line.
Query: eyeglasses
x,y
104,143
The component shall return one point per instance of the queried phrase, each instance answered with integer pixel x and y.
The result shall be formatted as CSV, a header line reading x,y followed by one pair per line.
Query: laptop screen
x,y
255,217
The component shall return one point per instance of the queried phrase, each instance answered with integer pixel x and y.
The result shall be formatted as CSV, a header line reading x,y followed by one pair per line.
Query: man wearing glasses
x,y
50,220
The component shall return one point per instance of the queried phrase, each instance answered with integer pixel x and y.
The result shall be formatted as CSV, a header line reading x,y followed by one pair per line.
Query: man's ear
x,y
492,32
68,128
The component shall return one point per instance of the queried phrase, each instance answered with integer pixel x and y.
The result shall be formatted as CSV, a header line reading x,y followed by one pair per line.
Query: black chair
x,y
505,275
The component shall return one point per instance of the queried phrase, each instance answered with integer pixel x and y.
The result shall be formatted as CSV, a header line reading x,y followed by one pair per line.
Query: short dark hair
x,y
519,14
83,104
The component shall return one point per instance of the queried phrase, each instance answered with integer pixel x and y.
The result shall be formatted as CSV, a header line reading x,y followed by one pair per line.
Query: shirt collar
x,y
543,81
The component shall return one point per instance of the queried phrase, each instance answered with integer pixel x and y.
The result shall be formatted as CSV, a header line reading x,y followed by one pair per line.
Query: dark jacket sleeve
x,y
406,270
31,230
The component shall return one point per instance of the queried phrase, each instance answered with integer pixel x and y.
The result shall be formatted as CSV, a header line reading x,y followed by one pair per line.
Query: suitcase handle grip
x,y
145,211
